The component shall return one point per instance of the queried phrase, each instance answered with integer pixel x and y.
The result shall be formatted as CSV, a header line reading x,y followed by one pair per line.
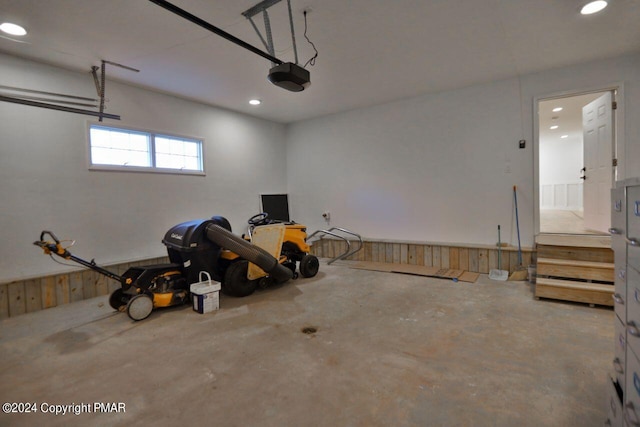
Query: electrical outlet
x,y
522,143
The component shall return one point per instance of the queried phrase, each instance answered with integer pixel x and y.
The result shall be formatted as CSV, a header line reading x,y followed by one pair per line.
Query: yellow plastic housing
x,y
296,234
162,299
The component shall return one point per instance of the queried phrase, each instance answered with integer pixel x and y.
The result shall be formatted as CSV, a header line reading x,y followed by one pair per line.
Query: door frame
x,y
618,136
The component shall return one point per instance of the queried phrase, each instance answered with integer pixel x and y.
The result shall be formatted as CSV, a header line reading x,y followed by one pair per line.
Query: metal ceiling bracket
x,y
204,24
56,107
54,103
58,101
40,92
103,78
94,73
262,8
293,32
100,84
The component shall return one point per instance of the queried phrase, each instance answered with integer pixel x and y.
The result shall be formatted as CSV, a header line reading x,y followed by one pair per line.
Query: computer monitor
x,y
276,205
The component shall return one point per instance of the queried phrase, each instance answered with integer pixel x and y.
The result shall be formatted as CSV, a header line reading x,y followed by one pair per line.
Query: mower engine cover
x,y
187,245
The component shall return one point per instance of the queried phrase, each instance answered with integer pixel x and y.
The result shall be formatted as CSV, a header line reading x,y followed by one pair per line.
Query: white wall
x,y
562,160
435,167
560,164
119,216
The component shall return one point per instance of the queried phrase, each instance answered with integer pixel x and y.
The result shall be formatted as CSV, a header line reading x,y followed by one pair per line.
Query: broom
x,y
520,272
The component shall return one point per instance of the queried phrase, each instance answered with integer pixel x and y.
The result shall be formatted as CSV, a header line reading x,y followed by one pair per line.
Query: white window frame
x,y
152,153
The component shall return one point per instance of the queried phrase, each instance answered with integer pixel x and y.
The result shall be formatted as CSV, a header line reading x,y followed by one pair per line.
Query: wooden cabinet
x,y
623,404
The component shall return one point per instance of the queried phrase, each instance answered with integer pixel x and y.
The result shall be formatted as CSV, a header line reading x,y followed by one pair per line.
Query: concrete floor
x,y
390,350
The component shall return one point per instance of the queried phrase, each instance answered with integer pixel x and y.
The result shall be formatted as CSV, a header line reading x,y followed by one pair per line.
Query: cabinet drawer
x,y
631,410
618,212
633,309
619,245
633,255
614,406
633,226
620,292
633,294
619,360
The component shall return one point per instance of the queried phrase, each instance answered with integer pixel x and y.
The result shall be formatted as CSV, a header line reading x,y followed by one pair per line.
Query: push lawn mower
x,y
195,246
142,288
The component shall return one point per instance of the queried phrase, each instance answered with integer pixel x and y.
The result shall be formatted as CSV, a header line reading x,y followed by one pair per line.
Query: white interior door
x,y
597,127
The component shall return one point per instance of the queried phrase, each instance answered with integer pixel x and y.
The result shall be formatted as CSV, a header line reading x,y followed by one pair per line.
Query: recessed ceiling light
x,y
593,7
255,102
13,29
554,127
555,110
564,136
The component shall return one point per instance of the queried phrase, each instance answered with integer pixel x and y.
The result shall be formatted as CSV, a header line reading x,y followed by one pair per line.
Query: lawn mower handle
x,y
56,248
49,247
50,233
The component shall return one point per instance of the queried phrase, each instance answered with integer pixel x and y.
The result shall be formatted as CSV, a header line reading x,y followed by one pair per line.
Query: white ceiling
x,y
370,51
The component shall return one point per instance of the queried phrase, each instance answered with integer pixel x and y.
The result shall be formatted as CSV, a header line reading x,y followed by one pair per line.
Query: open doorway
x,y
576,149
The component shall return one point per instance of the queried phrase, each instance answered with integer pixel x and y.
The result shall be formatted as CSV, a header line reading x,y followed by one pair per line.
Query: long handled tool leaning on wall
x,y
520,272
499,274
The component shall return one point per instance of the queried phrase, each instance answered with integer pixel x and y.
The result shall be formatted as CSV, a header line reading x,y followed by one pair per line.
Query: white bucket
x,y
205,294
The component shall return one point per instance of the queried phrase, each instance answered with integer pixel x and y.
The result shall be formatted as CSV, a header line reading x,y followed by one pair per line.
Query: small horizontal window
x,y
126,149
